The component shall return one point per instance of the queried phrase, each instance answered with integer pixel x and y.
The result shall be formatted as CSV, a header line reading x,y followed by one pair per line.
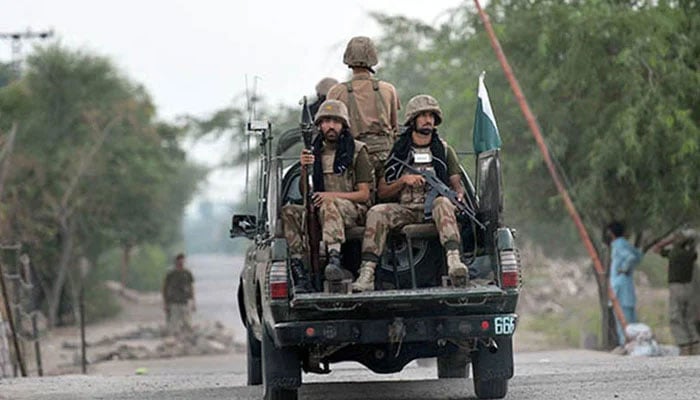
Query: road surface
x,y
565,374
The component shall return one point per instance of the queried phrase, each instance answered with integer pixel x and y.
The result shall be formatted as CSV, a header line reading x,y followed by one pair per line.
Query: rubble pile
x,y
548,281
151,342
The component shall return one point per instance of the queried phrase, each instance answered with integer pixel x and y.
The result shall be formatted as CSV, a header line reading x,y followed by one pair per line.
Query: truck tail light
x,y
279,288
510,269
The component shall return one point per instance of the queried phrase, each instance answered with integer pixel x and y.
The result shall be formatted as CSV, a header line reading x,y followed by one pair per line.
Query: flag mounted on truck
x,y
485,129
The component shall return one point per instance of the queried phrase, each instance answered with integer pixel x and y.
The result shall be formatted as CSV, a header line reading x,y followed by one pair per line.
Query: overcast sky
x,y
193,56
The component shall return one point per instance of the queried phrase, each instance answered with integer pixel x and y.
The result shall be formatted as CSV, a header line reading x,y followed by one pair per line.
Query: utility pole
x,y
16,39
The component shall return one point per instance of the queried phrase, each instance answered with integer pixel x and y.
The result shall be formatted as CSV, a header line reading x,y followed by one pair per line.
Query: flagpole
x,y
535,129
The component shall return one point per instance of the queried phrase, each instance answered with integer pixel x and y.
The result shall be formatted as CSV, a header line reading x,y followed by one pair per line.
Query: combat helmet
x,y
360,52
335,109
421,103
324,85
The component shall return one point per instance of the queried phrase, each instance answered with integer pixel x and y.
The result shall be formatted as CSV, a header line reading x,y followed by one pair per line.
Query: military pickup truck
x,y
414,312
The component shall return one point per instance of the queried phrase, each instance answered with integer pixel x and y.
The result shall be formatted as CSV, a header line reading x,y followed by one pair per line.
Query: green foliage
x,y
92,168
100,303
614,87
149,264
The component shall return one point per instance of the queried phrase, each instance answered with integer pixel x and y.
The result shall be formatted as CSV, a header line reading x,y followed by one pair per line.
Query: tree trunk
x,y
608,332
126,261
66,252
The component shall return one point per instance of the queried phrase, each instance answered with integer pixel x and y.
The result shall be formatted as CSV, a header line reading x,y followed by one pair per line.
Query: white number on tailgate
x,y
504,325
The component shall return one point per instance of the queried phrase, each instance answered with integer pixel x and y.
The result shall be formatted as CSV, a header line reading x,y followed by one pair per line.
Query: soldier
x,y
373,104
322,88
421,147
681,262
341,180
178,291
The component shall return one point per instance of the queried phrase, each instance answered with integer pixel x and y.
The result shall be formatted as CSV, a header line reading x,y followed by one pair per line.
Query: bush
x,y
149,264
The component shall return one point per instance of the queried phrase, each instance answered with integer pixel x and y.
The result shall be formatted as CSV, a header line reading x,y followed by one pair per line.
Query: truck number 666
x,y
504,325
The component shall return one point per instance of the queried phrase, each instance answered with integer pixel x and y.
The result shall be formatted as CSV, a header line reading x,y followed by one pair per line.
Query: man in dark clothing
x,y
681,262
178,297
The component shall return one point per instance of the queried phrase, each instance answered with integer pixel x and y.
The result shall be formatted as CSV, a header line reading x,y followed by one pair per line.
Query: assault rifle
x,y
438,188
313,227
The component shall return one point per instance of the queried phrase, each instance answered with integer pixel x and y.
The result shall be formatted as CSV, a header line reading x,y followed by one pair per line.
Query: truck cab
x,y
413,312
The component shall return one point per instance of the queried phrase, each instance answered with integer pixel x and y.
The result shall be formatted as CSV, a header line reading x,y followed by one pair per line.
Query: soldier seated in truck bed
x,y
342,175
419,147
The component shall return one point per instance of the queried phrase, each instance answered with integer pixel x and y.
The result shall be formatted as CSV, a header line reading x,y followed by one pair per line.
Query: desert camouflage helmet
x,y
332,108
421,103
324,85
360,52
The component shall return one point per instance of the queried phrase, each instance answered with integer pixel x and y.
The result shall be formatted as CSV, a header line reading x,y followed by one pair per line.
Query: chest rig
x,y
414,197
333,182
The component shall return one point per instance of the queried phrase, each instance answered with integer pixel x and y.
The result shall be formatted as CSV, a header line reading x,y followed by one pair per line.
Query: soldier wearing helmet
x,y
322,88
421,147
373,104
682,256
342,174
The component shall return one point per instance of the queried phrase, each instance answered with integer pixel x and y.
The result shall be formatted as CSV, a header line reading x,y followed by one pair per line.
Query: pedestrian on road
x,y
681,263
624,260
178,298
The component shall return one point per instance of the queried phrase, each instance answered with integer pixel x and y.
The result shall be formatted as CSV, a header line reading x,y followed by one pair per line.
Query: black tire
x,y
490,389
254,359
281,394
281,370
453,365
492,369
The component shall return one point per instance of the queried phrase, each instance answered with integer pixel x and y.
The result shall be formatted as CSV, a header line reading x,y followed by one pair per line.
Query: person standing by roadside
x,y
681,263
623,261
178,298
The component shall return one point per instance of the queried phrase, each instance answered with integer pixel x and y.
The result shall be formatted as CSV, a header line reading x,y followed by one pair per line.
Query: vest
x,y
344,182
414,197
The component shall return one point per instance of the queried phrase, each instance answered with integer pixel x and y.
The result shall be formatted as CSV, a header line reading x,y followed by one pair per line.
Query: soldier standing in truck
x,y
373,104
421,147
341,182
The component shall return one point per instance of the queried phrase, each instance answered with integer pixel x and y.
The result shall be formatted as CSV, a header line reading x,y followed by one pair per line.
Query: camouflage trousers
x,y
334,215
681,318
384,217
179,319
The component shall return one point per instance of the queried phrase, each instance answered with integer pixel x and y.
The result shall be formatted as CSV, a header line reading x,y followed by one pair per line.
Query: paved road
x,y
555,375
569,374
216,284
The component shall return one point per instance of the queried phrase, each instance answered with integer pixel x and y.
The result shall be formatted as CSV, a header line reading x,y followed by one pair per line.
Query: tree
x,y
92,168
614,84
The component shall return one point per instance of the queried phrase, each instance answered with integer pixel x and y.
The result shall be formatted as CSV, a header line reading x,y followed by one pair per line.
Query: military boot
x,y
695,349
686,349
365,282
300,278
333,271
458,272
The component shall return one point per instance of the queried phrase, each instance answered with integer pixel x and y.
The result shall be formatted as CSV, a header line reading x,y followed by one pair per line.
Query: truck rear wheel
x,y
493,366
453,365
254,359
281,370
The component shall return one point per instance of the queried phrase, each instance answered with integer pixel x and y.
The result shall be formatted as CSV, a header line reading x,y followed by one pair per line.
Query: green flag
x,y
485,129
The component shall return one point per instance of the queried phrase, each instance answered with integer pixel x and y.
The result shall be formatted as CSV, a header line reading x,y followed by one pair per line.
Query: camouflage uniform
x,y
337,214
411,207
373,104
681,263
411,210
177,292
